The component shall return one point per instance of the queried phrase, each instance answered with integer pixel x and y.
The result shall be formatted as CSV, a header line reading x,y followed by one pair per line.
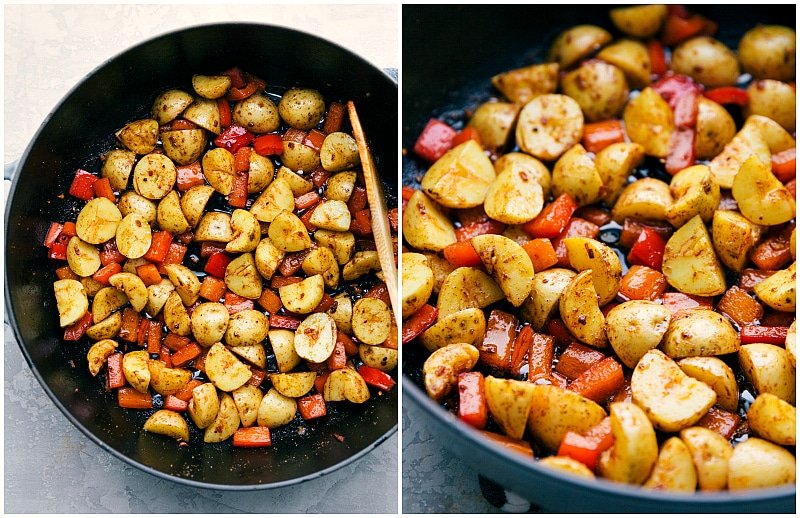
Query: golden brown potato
x,y
276,198
614,164
294,384
371,320
494,121
522,163
246,328
707,61
646,198
640,21
211,87
671,399
170,215
710,452
381,358
154,176
509,403
747,142
635,450
98,353
768,368
714,129
185,281
674,468
460,178
204,113
166,380
331,215
464,326
340,186
254,354
589,254
107,328
83,258
762,198
134,236
169,423
98,220
106,301
299,157
734,236
297,183
690,264
509,265
634,327
134,367
549,125
778,291
321,261
576,43
696,192
246,232
157,295
632,58
346,384
599,88
218,169
700,332
580,311
302,297
288,233
548,286
556,411
214,226
425,227
133,287
769,52
756,463
773,419
247,399
209,322
341,243
260,174
302,108
716,374
242,278
514,197
282,342
649,122
225,423
184,146
276,409
568,465
575,173
224,369
339,152
170,104
440,371
204,405
193,203
523,84
257,113
140,136
417,283
773,99
117,167
315,338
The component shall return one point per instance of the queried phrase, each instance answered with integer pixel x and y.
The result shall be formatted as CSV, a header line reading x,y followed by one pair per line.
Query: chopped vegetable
x,y
434,141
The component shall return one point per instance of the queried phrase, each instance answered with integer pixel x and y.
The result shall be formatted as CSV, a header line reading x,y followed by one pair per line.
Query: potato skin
x,y
257,113
769,369
773,99
700,332
758,463
641,21
769,52
440,371
549,125
301,108
649,122
715,128
576,43
460,178
710,452
634,327
599,88
707,61
555,411
773,419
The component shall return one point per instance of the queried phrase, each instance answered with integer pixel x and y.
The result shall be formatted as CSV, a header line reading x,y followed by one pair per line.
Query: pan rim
x,y
10,316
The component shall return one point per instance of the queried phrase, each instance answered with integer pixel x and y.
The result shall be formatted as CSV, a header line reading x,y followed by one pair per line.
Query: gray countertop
x,y
50,466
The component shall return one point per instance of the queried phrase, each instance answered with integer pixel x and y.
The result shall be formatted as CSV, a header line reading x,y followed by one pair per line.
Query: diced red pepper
x,y
642,283
334,118
252,437
82,186
631,228
379,291
540,357
361,223
237,94
600,381
479,228
376,378
338,358
559,331
270,301
224,108
115,377
175,254
237,77
283,322
74,332
270,144
165,357
468,133
189,176
587,448
681,150
307,200
728,95
279,281
784,165
184,355
236,303
541,252
496,349
472,407
294,135
129,331
314,140
417,323
576,227
52,234
312,407
658,58
678,302
129,397
154,335
350,347
110,254
70,229
233,138
358,200
159,247
599,135
175,342
434,141
241,161
720,421
678,29
238,196
103,274
58,251
462,253
408,192
553,219
762,334
648,249
319,176
577,359
65,273
182,124
175,404
216,264
102,189
325,304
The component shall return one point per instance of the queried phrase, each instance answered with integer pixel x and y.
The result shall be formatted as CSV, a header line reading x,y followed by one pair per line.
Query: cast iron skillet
x,y
73,135
449,57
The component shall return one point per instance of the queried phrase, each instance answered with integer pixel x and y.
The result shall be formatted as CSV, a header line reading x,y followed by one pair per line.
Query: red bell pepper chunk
x,y
241,162
319,176
362,223
189,176
472,399
307,200
600,381
553,219
358,200
283,322
462,253
252,437
599,135
175,404
417,323
238,196
587,448
235,303
52,234
185,354
468,133
335,118
115,377
102,189
82,186
237,94
658,58
58,251
376,378
648,249
129,397
312,407
110,254
237,77
784,165
233,138
394,218
434,141
216,264
224,112
76,331
314,140
175,254
270,144
680,26
681,150
763,334
159,246
728,95
69,229
479,228
103,274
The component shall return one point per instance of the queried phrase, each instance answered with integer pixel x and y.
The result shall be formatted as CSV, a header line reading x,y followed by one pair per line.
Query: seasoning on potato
x,y
602,262
221,270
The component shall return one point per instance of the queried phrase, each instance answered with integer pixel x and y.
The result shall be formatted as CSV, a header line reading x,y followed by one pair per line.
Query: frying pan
x,y
74,134
449,57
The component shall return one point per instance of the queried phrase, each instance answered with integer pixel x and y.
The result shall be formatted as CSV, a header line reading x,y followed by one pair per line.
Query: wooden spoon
x,y
378,211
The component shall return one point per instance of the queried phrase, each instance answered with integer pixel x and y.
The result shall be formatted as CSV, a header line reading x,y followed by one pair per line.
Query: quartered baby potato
x,y
221,272
599,260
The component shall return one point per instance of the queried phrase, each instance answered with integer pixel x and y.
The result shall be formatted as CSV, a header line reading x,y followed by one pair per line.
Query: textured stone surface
x,y
49,465
434,480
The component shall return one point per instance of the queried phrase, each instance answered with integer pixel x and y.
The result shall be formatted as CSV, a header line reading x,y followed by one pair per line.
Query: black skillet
x,y
449,57
73,136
